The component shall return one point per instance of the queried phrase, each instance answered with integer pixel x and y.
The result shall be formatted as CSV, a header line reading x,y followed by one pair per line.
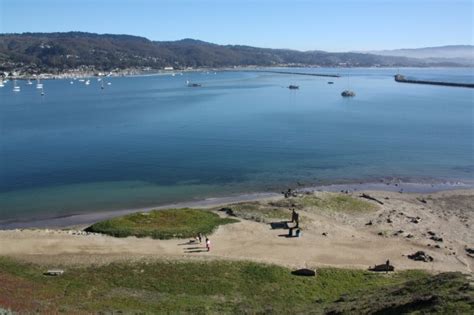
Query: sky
x,y
337,25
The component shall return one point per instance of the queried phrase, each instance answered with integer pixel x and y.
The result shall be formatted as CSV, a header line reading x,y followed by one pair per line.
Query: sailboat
x,y
29,82
348,92
42,92
88,82
1,83
16,88
39,85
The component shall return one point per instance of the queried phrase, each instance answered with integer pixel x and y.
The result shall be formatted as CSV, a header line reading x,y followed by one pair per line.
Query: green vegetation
x,y
332,202
226,287
35,52
267,211
259,211
162,224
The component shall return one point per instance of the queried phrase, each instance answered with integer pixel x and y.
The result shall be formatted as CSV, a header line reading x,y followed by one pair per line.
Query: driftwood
x,y
304,272
382,268
366,196
54,272
421,256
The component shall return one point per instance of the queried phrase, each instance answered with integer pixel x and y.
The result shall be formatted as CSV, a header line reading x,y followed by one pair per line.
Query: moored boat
x,y
348,93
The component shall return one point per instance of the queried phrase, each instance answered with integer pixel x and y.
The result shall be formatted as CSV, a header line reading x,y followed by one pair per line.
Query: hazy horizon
x,y
334,26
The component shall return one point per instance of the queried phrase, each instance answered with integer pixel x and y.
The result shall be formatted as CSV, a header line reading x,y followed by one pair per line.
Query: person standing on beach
x,y
199,237
208,244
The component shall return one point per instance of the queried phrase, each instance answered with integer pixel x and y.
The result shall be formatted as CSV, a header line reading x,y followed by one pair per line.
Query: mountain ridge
x,y
62,51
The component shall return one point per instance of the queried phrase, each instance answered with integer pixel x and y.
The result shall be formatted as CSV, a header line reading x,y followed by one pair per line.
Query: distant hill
x,y
463,54
56,52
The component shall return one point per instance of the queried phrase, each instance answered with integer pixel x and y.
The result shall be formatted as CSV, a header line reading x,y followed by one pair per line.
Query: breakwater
x,y
402,79
300,73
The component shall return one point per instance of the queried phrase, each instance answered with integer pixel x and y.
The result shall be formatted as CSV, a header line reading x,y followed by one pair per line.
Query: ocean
x,y
151,140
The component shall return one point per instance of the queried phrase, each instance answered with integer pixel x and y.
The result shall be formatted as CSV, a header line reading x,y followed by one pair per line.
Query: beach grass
x,y
223,287
333,202
162,224
259,211
267,211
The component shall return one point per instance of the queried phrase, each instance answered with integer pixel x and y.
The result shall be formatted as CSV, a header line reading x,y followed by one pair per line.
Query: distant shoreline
x,y
131,72
85,219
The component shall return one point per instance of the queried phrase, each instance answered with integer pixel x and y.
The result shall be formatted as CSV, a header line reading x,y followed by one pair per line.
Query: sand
x,y
349,242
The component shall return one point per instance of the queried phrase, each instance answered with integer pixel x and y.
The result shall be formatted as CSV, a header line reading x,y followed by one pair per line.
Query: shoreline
x,y
85,219
136,72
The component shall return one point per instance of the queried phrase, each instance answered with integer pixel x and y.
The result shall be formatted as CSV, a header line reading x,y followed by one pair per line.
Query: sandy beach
x,y
437,223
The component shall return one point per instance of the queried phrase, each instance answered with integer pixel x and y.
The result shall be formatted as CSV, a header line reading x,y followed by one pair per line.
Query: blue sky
x,y
337,25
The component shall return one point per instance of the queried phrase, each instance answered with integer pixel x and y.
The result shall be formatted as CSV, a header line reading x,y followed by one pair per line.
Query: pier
x,y
400,78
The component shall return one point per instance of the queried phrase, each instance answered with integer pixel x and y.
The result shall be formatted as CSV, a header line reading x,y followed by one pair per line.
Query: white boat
x,y
1,84
39,85
29,82
72,82
109,83
88,82
81,80
16,88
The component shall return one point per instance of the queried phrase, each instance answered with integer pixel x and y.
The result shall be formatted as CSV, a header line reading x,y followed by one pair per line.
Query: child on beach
x,y
208,244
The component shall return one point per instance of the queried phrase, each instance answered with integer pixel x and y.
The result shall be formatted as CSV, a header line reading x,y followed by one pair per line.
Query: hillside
x,y
57,52
463,54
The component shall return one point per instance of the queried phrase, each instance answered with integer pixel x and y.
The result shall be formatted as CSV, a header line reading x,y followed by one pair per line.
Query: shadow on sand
x,y
191,242
279,225
287,236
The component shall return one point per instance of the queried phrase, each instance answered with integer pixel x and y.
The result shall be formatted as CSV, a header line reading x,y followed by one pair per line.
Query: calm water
x,y
151,140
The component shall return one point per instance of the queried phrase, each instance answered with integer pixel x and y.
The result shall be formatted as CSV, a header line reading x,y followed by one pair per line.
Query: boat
x,y
39,85
72,82
348,93
293,87
1,84
81,80
330,82
29,82
109,83
42,92
88,82
101,85
189,84
16,88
